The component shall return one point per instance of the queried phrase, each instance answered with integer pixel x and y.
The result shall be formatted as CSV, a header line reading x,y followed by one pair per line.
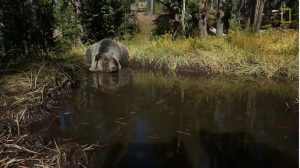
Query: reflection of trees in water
x,y
242,150
146,155
232,109
208,149
98,88
181,110
251,107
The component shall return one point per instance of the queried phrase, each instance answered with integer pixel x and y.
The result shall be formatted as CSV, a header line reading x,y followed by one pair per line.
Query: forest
x,y
40,29
58,25
43,45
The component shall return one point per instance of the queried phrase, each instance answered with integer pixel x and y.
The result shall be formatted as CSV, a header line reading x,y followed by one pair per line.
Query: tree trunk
x,y
203,18
203,26
259,8
247,26
249,14
259,17
220,22
183,17
256,12
240,13
151,7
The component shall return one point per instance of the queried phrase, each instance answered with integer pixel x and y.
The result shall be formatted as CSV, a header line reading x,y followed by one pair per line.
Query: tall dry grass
x,y
271,54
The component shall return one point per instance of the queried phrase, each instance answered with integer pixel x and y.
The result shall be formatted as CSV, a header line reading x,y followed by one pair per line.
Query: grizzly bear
x,y
106,56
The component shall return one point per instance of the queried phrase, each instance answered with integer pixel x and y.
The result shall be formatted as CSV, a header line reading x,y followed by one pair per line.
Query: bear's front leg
x,y
93,65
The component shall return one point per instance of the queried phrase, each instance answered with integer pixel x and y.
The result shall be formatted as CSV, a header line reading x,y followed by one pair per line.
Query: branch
x,y
162,2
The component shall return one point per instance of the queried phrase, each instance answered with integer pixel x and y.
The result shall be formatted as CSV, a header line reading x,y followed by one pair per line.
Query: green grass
x,y
269,54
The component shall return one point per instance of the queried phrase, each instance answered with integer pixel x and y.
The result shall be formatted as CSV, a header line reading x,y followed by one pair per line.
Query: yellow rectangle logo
x,y
286,15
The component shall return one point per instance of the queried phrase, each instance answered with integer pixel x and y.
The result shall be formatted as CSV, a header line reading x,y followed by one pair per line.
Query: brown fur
x,y
106,56
106,63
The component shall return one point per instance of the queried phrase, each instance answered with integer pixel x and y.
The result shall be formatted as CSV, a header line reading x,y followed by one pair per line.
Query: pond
x,y
146,119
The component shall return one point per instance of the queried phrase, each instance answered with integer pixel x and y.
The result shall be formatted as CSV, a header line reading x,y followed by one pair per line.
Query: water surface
x,y
145,119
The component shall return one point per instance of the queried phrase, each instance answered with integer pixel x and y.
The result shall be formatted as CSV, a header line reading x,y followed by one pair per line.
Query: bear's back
x,y
119,51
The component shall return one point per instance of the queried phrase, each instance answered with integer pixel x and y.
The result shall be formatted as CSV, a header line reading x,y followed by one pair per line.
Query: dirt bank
x,y
29,96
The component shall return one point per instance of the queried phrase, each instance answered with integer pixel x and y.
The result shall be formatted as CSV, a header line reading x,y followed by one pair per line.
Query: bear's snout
x,y
114,69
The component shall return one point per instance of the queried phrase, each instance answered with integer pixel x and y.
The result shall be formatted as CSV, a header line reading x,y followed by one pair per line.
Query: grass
x,y
74,52
268,54
37,78
27,97
29,151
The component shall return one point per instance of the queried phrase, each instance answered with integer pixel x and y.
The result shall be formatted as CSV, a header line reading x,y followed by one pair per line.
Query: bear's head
x,y
107,63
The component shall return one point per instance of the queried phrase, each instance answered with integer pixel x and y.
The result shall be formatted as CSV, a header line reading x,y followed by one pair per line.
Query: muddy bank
x,y
184,71
196,70
30,96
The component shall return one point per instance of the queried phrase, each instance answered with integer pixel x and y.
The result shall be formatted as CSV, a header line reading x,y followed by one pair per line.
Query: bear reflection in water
x,y
107,82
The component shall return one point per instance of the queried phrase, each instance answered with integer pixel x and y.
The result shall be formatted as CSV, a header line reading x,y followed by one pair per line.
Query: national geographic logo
x,y
286,15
